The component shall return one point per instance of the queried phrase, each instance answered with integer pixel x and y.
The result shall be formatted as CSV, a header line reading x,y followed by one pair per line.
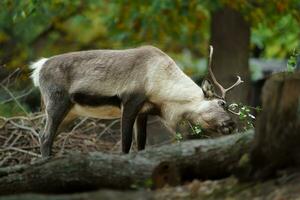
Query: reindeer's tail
x,y
36,68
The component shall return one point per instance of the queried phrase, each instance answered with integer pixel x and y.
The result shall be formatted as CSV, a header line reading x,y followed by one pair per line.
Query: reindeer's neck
x,y
174,91
170,84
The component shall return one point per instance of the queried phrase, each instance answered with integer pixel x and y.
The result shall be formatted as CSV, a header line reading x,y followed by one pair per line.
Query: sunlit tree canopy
x,y
34,28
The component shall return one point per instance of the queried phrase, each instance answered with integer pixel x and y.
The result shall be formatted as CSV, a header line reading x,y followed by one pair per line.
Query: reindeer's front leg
x,y
141,131
130,109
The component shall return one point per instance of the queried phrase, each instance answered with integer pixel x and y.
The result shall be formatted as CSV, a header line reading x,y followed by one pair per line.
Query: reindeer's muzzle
x,y
226,127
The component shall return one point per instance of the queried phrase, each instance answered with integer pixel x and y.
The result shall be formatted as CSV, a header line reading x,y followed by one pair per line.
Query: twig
x,y
116,145
10,75
22,151
3,161
8,140
93,125
29,147
38,116
22,117
108,127
70,133
3,137
190,125
18,97
14,98
15,140
4,122
25,128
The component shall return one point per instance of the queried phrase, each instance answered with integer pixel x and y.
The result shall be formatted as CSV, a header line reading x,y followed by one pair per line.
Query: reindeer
x,y
128,84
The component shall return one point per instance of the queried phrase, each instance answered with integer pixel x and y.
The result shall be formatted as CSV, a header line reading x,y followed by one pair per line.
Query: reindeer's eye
x,y
222,103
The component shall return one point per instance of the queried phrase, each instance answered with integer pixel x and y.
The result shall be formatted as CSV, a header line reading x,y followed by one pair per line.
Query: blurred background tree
x,y
238,29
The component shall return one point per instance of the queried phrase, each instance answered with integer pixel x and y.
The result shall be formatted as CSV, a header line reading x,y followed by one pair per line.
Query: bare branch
x,y
70,133
18,97
21,150
7,79
107,128
14,98
25,128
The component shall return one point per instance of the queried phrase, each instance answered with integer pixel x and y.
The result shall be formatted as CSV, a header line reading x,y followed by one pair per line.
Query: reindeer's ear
x,y
208,88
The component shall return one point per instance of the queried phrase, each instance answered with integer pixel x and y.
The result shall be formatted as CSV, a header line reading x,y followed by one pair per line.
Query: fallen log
x,y
285,187
102,194
156,167
277,133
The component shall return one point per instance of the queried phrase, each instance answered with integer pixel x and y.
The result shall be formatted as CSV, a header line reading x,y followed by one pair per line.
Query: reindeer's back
x,y
106,71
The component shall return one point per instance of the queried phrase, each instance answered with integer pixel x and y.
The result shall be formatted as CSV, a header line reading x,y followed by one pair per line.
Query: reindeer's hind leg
x,y
65,125
141,131
57,106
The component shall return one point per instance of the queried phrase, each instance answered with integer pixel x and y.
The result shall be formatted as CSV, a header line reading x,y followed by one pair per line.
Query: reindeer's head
x,y
212,113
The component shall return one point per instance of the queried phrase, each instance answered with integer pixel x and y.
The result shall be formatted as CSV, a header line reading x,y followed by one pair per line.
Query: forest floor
x,y
284,188
19,145
19,140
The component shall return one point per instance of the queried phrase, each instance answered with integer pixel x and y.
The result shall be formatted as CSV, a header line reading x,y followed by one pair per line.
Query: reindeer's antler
x,y
222,89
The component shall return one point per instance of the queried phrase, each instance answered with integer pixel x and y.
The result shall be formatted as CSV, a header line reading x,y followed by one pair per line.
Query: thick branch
x,y
102,194
170,164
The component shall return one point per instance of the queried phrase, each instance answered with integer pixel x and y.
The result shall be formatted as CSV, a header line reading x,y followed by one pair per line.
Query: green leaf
x,y
178,136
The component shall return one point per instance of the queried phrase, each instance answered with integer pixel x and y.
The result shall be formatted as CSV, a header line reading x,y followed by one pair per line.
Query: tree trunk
x,y
230,37
170,164
277,135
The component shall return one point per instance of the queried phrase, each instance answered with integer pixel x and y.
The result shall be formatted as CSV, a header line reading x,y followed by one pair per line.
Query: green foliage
x,y
277,39
146,184
34,28
178,137
12,109
245,114
159,22
196,130
292,61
